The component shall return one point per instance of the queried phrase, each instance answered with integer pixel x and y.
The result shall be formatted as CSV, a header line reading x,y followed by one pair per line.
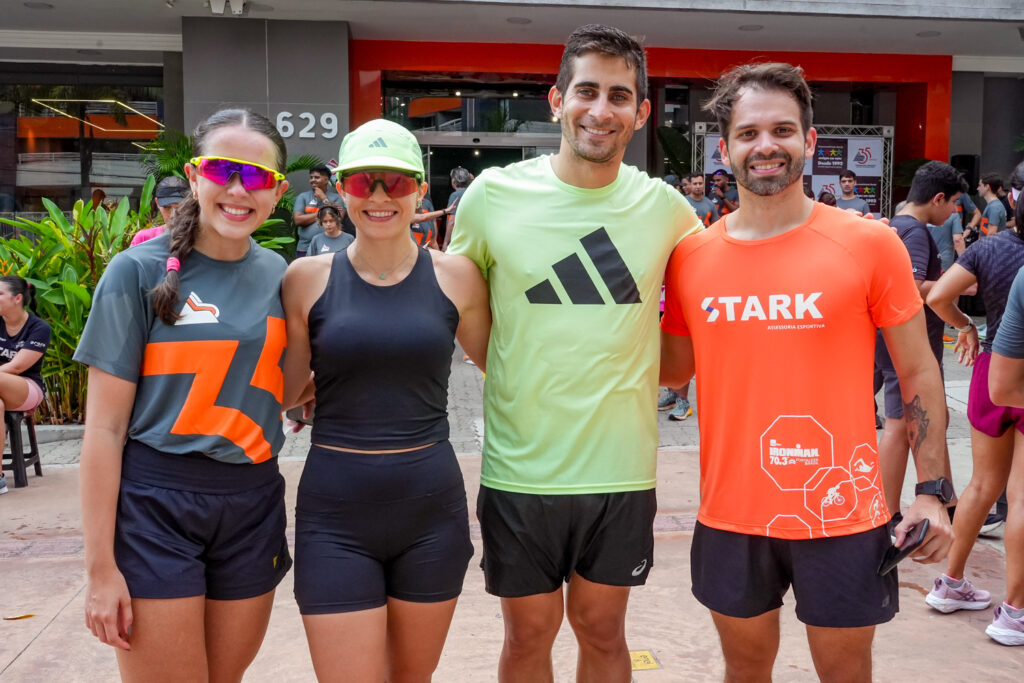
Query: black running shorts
x,y
188,525
835,580
369,526
532,543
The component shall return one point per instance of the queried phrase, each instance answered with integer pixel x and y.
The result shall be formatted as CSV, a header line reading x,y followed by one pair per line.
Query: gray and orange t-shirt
x,y
308,203
783,332
993,218
705,208
212,382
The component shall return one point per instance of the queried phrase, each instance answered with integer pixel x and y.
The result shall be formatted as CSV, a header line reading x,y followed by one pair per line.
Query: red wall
x,y
924,82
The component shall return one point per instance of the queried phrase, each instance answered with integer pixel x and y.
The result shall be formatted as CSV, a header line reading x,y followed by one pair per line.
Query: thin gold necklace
x,y
383,274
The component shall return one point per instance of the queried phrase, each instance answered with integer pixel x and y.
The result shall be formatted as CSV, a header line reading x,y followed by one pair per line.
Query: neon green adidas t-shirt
x,y
572,368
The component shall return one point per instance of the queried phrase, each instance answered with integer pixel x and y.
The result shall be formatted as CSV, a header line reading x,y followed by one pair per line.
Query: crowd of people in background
x,y
183,504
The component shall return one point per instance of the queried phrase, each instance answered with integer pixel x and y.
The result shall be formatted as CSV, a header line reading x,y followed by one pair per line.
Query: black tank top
x,y
381,358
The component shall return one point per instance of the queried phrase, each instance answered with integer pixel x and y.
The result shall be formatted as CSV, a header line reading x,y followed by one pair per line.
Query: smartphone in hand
x,y
911,543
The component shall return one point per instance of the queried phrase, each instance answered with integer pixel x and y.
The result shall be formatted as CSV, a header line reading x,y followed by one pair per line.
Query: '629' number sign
x,y
305,125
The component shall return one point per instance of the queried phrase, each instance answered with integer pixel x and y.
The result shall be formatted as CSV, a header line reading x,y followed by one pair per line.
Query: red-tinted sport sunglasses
x,y
220,170
363,184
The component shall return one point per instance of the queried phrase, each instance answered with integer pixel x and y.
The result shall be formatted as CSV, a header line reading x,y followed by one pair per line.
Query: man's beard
x,y
793,171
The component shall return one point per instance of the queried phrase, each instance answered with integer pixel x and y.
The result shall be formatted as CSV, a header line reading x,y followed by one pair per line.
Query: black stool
x,y
19,459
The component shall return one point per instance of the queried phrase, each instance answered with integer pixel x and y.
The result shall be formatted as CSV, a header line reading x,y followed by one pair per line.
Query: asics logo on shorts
x,y
572,275
639,569
779,307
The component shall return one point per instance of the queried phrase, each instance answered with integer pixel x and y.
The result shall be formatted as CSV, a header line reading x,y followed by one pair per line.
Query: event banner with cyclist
x,y
832,155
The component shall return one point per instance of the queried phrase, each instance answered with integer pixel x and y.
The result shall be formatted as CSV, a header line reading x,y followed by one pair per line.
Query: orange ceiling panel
x,y
430,105
64,127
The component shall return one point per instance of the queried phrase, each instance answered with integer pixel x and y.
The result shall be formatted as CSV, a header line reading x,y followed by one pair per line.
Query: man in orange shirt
x,y
775,306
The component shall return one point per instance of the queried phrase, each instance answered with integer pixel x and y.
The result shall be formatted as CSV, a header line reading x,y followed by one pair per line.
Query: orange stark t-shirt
x,y
784,336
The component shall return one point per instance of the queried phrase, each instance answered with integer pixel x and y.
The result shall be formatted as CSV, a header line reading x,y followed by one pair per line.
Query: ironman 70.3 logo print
x,y
798,455
793,448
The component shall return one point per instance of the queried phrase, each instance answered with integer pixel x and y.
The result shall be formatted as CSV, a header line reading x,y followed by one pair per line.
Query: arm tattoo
x,y
917,423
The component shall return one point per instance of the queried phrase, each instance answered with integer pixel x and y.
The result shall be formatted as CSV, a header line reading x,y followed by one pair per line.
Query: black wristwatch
x,y
941,488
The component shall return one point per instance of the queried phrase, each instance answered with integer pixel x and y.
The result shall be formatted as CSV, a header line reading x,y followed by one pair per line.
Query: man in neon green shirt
x,y
573,247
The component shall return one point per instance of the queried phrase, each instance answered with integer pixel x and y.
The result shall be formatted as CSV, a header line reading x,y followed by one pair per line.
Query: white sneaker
x,y
1004,629
3,484
946,598
992,522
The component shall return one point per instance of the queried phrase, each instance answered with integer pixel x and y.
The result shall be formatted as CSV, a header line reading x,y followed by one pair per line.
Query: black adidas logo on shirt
x,y
379,142
577,283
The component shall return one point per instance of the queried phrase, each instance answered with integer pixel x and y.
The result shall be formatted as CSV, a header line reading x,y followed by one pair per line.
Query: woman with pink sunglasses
x,y
182,502
381,524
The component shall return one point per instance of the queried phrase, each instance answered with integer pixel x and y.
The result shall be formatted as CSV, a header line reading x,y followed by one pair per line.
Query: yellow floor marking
x,y
643,660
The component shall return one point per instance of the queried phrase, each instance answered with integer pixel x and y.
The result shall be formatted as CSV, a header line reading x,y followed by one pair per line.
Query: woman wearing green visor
x,y
382,529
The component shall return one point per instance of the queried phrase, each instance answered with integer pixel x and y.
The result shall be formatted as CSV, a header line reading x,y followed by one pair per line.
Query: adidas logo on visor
x,y
379,142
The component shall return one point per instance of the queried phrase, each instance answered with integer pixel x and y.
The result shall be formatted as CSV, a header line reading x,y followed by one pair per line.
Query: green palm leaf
x,y
302,163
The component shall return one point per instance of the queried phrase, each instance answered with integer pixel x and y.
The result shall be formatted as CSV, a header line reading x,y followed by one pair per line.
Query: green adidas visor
x,y
380,144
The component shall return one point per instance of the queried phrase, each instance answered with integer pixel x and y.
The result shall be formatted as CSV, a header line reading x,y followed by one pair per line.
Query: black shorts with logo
x,y
835,580
189,525
532,543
